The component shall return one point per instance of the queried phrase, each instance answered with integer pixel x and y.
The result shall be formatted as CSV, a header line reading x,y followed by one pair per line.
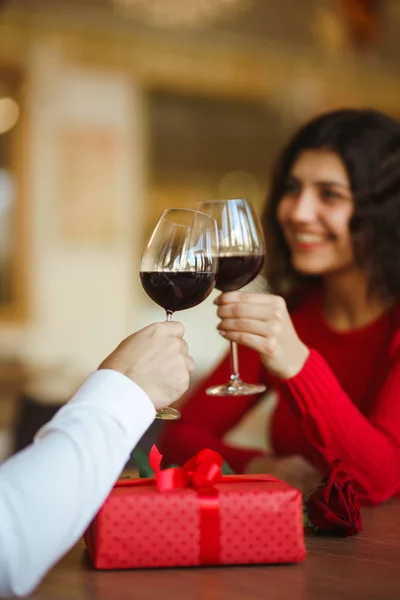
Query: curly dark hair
x,y
368,143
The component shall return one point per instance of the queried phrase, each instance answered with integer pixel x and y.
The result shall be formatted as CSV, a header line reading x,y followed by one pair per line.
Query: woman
x,y
328,337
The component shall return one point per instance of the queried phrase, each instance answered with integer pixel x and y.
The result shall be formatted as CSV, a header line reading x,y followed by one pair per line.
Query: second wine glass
x,y
179,265
241,256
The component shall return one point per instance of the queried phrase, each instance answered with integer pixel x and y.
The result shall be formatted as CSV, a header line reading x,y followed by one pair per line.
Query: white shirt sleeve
x,y
50,491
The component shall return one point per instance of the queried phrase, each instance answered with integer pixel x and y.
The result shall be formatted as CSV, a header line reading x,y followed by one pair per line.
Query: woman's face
x,y
314,214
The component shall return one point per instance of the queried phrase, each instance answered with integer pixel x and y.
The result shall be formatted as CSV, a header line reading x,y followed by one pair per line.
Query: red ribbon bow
x,y
199,472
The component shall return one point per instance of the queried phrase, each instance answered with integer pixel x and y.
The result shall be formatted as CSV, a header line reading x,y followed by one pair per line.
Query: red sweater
x,y
344,403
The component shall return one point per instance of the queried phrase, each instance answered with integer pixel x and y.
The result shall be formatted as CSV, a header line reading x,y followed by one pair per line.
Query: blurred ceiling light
x,y
9,113
175,13
363,21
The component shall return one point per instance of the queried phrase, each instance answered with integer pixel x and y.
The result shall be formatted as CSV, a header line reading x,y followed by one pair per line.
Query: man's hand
x,y
157,359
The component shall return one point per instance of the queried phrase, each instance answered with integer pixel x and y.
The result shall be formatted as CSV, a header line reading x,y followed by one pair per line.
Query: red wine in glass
x,y
236,271
177,290
241,256
179,265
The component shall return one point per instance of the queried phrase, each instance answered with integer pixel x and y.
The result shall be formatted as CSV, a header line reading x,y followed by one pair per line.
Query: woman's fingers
x,y
251,297
246,311
251,340
263,307
261,328
258,312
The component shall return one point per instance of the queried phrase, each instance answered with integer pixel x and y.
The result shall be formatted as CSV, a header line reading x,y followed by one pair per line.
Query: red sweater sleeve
x,y
369,447
205,419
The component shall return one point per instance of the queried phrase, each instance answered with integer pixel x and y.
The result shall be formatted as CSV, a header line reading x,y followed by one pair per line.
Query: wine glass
x,y
241,256
179,265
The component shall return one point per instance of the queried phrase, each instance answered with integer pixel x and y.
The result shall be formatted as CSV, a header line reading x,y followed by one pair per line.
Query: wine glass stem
x,y
169,314
234,362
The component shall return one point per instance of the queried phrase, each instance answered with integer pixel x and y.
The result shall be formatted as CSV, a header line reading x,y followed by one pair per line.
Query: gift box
x,y
194,515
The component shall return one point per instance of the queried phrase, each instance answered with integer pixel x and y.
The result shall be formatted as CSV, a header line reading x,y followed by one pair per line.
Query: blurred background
x,y
110,111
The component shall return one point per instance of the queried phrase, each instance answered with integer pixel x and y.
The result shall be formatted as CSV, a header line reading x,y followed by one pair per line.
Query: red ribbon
x,y
200,473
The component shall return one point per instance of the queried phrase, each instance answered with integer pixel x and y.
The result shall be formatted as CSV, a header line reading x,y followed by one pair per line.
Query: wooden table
x,y
363,567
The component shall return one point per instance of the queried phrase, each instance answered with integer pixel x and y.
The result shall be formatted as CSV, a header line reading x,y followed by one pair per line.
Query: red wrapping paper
x,y
195,516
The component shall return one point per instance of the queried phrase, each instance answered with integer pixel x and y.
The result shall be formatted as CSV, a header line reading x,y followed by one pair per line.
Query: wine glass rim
x,y
222,200
193,210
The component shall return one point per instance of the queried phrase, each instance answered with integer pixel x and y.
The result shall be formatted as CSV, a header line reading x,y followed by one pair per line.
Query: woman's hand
x,y
294,470
262,322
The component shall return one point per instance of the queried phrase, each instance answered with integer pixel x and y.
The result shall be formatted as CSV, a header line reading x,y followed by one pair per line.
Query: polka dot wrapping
x,y
139,527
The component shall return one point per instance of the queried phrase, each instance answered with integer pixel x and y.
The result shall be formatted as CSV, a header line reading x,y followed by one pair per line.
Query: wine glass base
x,y
168,414
236,388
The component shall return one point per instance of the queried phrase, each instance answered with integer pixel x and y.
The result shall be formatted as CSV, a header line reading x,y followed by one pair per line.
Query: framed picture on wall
x,y
88,184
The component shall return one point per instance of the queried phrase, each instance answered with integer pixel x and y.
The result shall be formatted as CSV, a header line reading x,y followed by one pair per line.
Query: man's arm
x,y
50,491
